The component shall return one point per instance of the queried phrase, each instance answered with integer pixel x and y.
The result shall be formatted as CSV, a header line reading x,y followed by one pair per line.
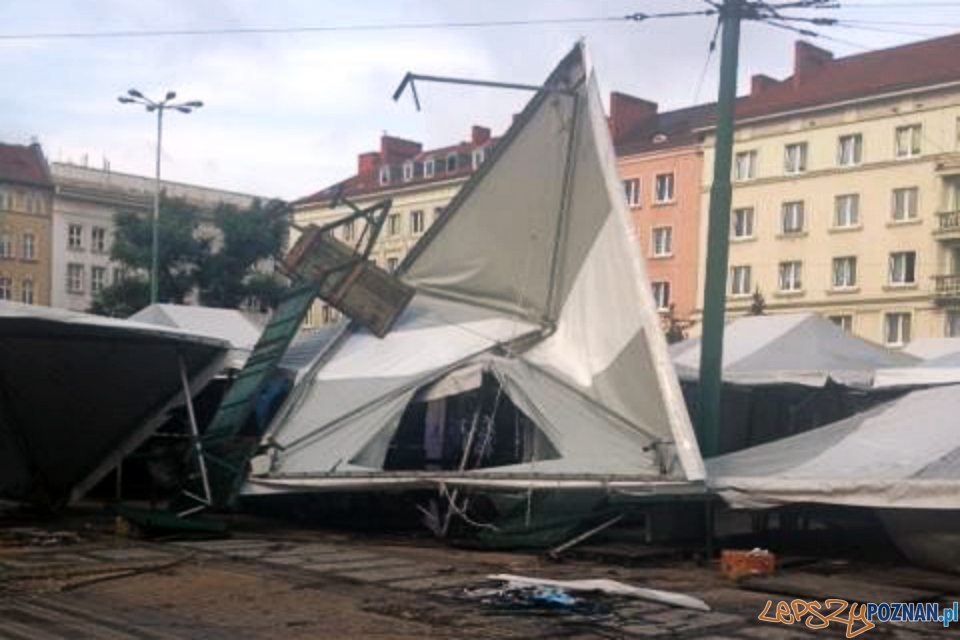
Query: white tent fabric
x,y
903,454
930,348
533,274
936,371
78,392
225,324
800,348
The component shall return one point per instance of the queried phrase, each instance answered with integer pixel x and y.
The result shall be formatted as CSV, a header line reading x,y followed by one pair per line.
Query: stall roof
x,y
78,392
902,454
929,348
797,348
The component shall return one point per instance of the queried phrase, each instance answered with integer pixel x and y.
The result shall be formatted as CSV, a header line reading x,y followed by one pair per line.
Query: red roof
x,y
666,130
24,164
909,66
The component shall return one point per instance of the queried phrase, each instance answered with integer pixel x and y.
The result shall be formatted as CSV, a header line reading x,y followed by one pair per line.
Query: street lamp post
x,y
135,97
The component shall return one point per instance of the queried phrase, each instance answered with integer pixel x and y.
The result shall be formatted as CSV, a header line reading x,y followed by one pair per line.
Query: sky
x,y
286,115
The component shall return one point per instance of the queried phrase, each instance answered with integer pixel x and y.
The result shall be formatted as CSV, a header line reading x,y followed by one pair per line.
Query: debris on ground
x,y
736,564
33,537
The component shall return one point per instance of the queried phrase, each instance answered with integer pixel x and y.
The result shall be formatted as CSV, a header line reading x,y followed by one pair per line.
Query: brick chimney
x,y
479,135
627,113
760,83
394,150
807,61
368,162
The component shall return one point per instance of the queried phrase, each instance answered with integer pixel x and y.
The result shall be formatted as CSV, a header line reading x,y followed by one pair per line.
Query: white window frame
x,y
384,175
897,327
661,294
740,280
631,188
850,156
429,167
477,157
75,278
75,237
668,182
748,214
842,320
417,222
902,269
7,242
792,217
844,273
790,276
408,171
795,158
98,245
97,284
909,197
907,141
393,224
846,211
745,165
26,291
661,242
29,246
6,288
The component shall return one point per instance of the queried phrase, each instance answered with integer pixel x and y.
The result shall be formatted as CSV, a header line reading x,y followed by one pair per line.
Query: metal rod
x,y
410,77
556,551
195,432
718,234
155,249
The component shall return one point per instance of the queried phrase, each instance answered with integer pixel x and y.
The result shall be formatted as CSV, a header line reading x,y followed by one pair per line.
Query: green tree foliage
x,y
215,255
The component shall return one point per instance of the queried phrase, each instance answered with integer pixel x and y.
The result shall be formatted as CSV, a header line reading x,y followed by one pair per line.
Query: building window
x,y
902,267
845,272
429,166
844,321
905,204
75,278
437,212
745,166
850,150
661,294
846,211
29,246
952,330
98,277
740,280
348,230
408,171
75,236
98,240
790,276
385,175
795,158
664,188
662,238
479,155
26,292
896,329
416,222
392,263
6,288
742,223
6,245
632,188
791,217
451,163
908,141
393,224
326,315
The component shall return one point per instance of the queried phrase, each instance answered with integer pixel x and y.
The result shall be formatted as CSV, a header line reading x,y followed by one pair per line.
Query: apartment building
x,y
420,183
86,202
846,196
659,158
26,198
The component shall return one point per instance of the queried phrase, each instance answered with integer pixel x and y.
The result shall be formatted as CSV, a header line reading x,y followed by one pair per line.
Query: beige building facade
x,y
845,197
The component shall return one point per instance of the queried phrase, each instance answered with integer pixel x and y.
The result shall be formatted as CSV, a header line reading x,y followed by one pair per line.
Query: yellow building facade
x,y
848,207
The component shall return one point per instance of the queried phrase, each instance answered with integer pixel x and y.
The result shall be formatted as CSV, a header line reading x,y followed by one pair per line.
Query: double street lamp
x,y
135,97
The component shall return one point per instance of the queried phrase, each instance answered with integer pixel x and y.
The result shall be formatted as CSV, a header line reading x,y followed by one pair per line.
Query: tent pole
x,y
463,465
194,431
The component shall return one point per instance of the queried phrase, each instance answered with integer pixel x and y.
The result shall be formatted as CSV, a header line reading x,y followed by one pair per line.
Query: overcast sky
x,y
287,114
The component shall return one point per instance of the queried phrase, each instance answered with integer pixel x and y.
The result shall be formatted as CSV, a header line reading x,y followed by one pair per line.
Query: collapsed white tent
x,y
797,348
903,454
533,276
937,371
79,392
225,324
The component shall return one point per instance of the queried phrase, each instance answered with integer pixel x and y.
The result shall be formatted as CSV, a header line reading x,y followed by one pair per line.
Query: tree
x,y
215,256
759,304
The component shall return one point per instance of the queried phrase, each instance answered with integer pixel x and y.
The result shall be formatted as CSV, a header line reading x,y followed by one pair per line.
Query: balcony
x,y
946,288
948,226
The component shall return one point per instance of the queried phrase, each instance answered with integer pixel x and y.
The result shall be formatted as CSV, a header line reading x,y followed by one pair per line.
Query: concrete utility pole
x,y
135,97
718,235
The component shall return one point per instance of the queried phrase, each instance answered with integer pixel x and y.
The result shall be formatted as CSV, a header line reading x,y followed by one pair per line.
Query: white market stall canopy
x,y
798,348
930,348
225,324
937,371
903,454
78,392
533,277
